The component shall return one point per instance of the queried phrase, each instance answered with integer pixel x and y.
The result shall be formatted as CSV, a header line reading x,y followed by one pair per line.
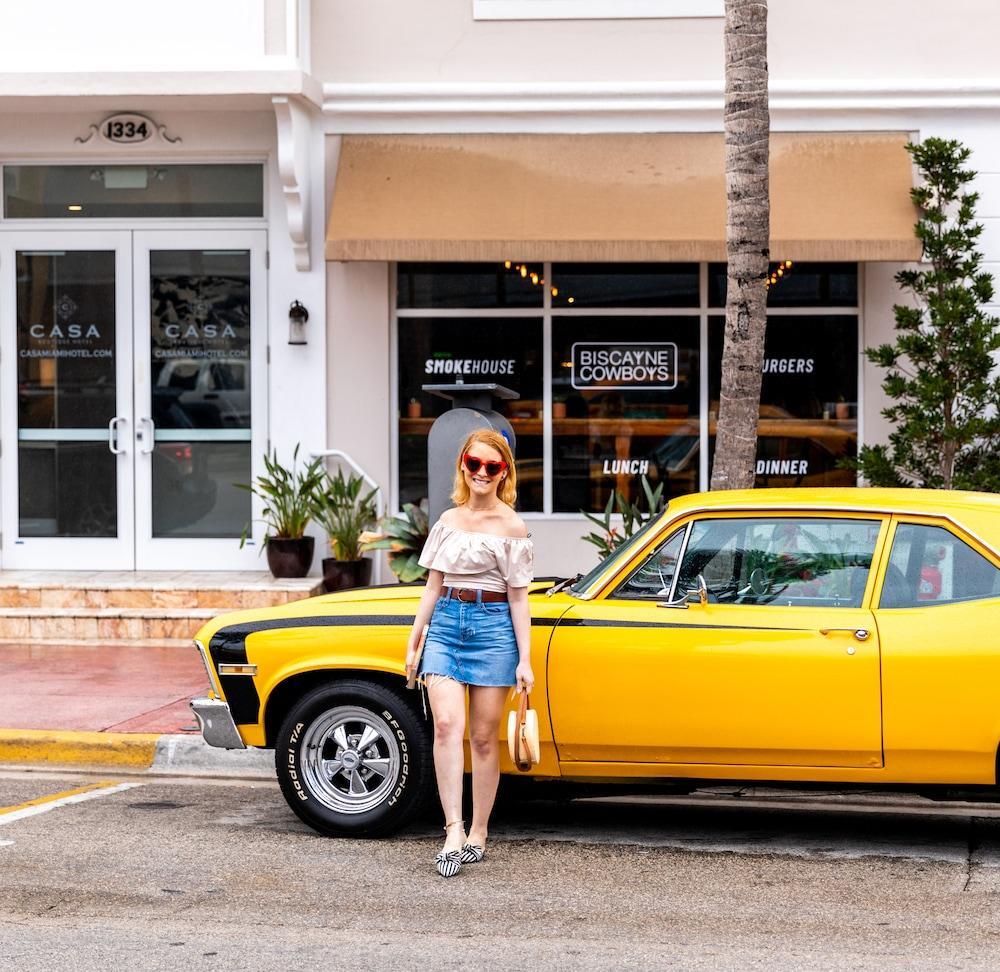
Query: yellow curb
x,y
135,749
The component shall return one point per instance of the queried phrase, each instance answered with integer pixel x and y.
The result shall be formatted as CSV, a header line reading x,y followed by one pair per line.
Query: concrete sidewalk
x,y
113,705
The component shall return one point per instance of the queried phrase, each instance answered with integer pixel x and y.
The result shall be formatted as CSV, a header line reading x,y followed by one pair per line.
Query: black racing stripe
x,y
608,623
241,694
229,646
240,632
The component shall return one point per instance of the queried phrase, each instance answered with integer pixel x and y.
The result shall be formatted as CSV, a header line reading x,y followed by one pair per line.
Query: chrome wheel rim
x,y
350,759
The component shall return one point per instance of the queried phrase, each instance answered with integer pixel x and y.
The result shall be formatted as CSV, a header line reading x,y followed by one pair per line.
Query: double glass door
x,y
133,376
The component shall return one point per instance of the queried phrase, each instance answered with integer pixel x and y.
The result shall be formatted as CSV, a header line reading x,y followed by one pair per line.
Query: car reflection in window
x,y
202,393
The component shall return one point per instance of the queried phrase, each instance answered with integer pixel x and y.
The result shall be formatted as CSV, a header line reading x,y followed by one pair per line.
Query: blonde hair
x,y
506,488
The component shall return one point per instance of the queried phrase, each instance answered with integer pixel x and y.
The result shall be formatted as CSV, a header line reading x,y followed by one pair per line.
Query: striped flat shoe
x,y
472,854
449,863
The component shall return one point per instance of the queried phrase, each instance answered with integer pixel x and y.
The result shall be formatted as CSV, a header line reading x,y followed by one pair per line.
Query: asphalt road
x,y
173,874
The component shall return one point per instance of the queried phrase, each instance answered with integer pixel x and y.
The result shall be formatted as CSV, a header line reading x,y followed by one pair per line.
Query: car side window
x,y
929,565
656,574
794,561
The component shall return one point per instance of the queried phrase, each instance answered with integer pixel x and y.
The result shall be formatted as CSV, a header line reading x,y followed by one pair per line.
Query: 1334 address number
x,y
127,128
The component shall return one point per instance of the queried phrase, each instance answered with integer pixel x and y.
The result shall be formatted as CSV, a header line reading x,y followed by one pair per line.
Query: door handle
x,y
862,634
145,444
116,450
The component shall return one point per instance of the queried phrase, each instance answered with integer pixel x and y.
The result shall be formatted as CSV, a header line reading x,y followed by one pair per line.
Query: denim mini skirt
x,y
472,642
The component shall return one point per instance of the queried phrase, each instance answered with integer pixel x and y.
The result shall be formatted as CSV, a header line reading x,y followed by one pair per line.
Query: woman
x,y
479,557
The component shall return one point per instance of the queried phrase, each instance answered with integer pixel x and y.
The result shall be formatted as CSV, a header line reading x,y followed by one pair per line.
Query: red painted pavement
x,y
97,688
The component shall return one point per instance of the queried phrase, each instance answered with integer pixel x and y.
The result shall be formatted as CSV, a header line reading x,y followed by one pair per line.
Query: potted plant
x,y
287,495
633,518
404,537
345,514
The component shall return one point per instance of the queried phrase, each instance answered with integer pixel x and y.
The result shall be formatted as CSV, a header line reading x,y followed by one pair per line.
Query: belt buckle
x,y
462,599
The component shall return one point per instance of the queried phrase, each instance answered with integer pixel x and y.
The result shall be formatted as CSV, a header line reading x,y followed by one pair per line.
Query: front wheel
x,y
354,759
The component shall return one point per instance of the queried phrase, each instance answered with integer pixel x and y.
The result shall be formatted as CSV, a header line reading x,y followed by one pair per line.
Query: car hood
x,y
381,592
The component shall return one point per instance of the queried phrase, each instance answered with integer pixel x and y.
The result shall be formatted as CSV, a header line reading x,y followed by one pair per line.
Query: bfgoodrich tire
x,y
355,759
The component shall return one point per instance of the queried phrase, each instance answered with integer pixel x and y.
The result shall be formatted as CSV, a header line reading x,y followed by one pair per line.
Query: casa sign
x,y
128,128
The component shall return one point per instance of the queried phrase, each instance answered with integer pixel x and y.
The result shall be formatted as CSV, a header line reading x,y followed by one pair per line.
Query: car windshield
x,y
623,551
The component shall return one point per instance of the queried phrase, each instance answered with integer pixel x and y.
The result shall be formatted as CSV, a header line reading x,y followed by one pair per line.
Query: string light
x,y
778,273
533,276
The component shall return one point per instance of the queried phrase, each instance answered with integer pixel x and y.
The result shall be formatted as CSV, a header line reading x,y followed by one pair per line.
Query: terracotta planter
x,y
290,558
342,575
842,410
559,410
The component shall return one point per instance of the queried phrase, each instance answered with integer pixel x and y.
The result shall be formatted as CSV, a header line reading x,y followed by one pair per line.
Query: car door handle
x,y
862,634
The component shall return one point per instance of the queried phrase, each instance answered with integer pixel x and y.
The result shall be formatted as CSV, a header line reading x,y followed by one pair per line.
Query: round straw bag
x,y
522,736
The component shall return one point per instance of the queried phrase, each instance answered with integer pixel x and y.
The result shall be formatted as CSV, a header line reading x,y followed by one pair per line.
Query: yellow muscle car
x,y
822,635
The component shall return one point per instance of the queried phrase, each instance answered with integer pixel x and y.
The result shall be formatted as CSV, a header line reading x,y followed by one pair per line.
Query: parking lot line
x,y
54,800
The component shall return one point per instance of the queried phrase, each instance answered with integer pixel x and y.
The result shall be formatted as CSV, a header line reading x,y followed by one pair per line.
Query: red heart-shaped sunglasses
x,y
474,464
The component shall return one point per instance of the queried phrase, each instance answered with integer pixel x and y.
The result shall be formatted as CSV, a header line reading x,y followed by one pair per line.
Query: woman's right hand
x,y
412,644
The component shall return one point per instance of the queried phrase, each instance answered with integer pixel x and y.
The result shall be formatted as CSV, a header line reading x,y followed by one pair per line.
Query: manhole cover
x,y
157,805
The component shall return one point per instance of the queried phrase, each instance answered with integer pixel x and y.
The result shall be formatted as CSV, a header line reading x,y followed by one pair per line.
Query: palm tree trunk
x,y
747,125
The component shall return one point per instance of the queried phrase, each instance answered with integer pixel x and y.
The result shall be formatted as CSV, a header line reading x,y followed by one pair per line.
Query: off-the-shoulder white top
x,y
482,560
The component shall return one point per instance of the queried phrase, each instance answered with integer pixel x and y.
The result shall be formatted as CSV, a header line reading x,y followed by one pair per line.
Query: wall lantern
x,y
297,317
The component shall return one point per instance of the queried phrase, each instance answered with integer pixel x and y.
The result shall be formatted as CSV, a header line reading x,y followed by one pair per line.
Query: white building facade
x,y
520,191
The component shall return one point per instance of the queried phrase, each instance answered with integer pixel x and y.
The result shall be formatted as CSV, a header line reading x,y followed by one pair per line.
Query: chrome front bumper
x,y
216,721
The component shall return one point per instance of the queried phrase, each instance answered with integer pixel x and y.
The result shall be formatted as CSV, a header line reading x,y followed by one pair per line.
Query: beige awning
x,y
834,196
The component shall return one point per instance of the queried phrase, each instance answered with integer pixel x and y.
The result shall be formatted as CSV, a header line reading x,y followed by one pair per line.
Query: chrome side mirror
x,y
681,602
702,589
696,596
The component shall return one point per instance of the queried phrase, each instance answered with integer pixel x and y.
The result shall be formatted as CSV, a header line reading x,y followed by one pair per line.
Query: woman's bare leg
x,y
447,699
486,705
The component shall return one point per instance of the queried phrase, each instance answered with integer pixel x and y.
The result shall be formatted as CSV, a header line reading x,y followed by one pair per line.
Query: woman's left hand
x,y
525,677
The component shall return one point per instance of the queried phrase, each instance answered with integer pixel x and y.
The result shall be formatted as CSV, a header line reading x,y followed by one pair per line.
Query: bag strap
x,y
521,758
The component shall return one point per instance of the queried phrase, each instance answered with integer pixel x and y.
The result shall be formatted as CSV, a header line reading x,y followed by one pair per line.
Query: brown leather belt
x,y
469,594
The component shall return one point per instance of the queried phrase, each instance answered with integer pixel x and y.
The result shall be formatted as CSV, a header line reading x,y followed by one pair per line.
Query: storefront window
x,y
799,285
467,285
616,351
625,405
437,351
625,285
808,398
